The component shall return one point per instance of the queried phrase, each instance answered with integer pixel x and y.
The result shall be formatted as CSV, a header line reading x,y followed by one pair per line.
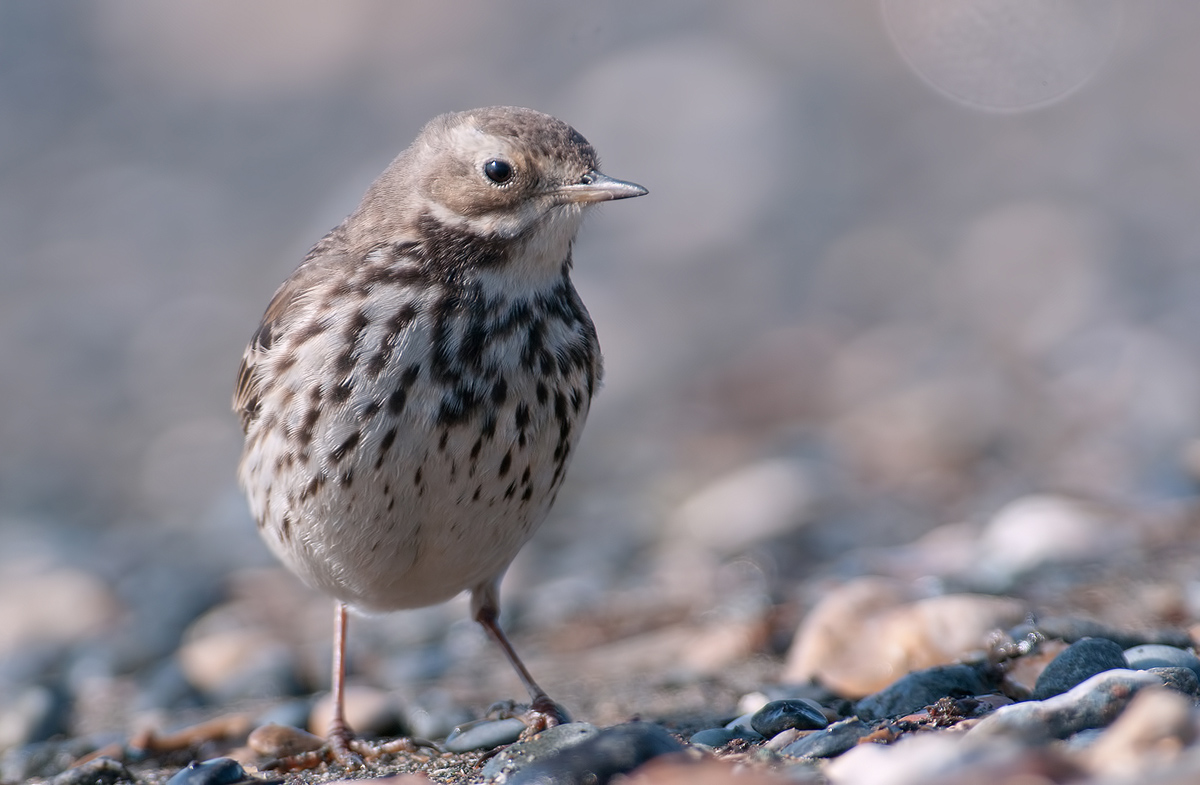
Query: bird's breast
x,y
432,430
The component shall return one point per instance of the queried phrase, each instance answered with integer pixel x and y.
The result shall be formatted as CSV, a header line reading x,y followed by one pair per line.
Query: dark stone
x,y
98,771
1076,664
924,688
780,715
830,742
218,771
597,760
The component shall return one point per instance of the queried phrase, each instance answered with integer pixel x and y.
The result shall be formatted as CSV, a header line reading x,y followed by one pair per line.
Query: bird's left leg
x,y
485,607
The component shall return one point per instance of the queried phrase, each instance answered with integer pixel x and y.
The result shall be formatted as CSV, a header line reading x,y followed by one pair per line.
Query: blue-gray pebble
x,y
1076,664
780,715
487,735
218,771
719,737
830,742
597,760
546,744
1155,655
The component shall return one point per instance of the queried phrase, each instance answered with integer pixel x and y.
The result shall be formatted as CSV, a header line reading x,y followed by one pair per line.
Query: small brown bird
x,y
416,389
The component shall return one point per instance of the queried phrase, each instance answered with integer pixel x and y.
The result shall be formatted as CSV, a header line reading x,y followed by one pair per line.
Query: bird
x,y
414,393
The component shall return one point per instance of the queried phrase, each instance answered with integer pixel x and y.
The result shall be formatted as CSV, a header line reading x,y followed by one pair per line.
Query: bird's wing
x,y
278,317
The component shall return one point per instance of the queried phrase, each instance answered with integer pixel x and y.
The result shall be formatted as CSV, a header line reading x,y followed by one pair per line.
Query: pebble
x,y
598,759
1077,663
1182,680
292,712
545,744
668,771
1072,629
60,605
746,507
714,738
917,759
433,714
1156,655
43,759
1033,530
484,734
742,725
1154,729
924,688
830,742
1092,704
218,771
282,741
232,664
370,711
98,771
859,636
31,714
780,715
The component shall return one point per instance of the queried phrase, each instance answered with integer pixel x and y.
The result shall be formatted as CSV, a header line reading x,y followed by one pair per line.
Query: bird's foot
x,y
342,749
542,713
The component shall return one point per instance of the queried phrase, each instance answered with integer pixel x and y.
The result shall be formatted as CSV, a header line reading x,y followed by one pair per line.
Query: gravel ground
x,y
900,373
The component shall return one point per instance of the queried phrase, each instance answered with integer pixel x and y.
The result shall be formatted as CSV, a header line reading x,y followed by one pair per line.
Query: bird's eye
x,y
499,172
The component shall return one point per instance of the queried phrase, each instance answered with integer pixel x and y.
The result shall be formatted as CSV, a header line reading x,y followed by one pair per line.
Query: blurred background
x,y
902,265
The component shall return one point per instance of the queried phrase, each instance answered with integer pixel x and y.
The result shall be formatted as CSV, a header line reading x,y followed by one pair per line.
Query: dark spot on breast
x,y
535,339
528,494
442,441
385,444
341,392
525,476
521,415
308,424
346,478
560,407
346,446
478,491
458,405
505,463
285,527
510,490
542,393
417,476
399,396
475,448
313,486
499,391
393,328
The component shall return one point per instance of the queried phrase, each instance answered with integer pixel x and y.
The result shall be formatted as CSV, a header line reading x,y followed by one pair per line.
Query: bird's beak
x,y
596,187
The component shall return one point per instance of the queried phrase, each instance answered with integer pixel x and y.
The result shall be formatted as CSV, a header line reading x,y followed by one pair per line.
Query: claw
x,y
543,713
